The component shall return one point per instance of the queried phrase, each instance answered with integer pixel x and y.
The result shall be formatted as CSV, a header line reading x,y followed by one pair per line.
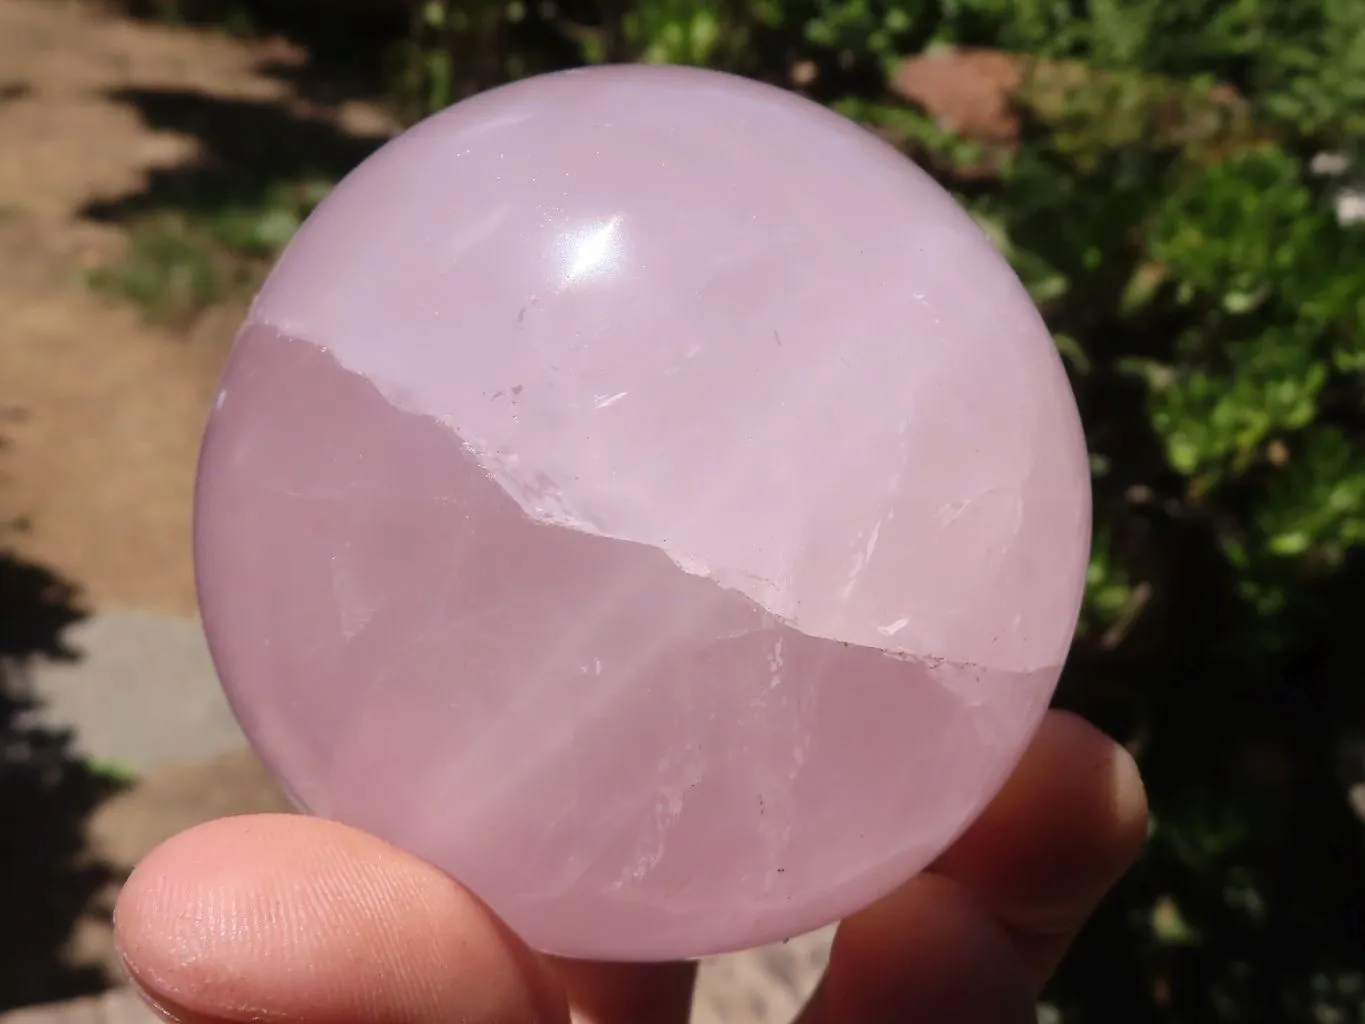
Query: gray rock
x,y
142,691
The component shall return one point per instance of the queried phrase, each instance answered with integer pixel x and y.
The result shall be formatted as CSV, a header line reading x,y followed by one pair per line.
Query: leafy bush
x,y
1169,177
179,262
1155,175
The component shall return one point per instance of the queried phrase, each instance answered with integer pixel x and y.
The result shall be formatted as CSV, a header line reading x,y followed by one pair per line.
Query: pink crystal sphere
x,y
650,498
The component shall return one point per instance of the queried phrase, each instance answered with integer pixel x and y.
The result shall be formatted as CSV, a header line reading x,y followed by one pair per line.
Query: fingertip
x,y
928,953
1070,821
1066,827
1067,738
975,937
279,917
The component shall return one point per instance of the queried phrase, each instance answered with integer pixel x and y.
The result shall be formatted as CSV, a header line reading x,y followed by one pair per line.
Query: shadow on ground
x,y
48,882
247,149
341,37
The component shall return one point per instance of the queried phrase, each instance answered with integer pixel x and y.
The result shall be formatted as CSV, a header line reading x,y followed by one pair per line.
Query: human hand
x,y
278,918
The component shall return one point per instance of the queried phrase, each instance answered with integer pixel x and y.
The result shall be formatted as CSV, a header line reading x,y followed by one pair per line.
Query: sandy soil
x,y
102,412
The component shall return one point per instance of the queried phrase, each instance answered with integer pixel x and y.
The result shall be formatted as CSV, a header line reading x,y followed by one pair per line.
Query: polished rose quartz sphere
x,y
648,496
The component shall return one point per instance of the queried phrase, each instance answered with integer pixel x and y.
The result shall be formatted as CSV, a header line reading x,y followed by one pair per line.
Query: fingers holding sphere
x,y
278,917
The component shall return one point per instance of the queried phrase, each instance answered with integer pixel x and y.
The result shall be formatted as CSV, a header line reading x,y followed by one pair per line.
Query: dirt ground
x,y
100,411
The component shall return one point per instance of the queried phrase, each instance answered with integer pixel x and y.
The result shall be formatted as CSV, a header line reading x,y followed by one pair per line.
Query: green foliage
x,y
168,272
1160,204
113,771
179,263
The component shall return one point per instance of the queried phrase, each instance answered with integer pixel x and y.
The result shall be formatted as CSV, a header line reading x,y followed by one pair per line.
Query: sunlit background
x,y
1177,181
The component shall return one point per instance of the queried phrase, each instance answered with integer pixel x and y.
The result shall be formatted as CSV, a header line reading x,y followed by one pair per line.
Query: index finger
x,y
976,936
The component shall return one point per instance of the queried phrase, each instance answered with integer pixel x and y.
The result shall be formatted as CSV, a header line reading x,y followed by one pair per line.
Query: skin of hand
x,y
277,918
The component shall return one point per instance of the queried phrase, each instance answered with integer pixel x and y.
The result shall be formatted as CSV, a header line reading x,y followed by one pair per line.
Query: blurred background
x,y
1179,183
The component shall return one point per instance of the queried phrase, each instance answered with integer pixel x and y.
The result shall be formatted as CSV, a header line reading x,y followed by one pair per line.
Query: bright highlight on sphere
x,y
649,497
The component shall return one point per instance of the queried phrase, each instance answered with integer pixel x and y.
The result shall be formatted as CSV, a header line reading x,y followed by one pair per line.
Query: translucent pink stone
x,y
649,497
